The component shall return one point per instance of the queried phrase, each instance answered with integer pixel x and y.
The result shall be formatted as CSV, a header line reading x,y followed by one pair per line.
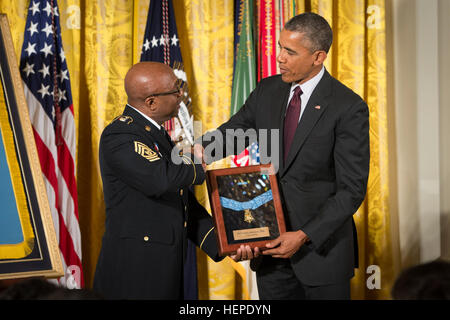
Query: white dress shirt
x,y
307,89
146,117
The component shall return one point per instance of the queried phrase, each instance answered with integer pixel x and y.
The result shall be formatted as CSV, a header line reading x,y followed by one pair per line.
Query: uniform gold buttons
x,y
181,192
147,128
146,238
185,224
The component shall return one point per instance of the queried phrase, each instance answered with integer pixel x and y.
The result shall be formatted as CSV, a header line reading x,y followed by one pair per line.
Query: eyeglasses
x,y
177,91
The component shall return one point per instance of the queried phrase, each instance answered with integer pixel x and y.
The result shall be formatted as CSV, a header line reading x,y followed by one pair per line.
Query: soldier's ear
x,y
151,103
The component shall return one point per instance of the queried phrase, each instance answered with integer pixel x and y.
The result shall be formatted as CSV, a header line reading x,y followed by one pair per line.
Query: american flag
x,y
46,82
254,153
248,157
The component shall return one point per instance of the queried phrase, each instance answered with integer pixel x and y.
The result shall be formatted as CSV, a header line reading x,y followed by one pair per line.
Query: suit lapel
x,y
316,106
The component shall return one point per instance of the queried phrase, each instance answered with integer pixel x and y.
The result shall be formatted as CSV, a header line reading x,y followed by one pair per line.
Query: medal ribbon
x,y
252,204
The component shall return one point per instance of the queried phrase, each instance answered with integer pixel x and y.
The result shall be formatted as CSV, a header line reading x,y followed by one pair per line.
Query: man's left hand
x,y
245,253
286,244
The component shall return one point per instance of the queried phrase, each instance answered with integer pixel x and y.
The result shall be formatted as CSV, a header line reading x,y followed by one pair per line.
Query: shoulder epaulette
x,y
125,119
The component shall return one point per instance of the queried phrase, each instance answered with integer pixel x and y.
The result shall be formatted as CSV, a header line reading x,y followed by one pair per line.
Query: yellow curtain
x,y
102,39
105,56
358,59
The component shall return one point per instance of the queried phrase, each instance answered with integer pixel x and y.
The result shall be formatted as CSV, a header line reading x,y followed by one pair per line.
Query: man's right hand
x,y
199,152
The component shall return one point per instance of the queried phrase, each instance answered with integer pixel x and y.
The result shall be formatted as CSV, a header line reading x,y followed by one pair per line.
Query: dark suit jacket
x,y
324,179
150,213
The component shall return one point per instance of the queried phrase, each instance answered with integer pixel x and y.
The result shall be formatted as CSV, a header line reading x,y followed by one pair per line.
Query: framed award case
x,y
246,206
28,242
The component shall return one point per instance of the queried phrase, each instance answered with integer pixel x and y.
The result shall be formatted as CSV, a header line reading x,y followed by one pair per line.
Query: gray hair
x,y
316,30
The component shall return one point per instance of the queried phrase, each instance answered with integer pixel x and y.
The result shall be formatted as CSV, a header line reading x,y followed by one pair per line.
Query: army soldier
x,y
150,212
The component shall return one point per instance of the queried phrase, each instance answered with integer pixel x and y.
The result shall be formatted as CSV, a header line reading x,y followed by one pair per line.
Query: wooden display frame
x,y
36,252
235,222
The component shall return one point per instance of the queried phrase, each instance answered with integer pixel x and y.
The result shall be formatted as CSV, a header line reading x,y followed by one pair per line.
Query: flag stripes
x,y
47,90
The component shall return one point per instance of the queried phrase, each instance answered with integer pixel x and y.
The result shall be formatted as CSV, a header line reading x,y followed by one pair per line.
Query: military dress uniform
x,y
150,212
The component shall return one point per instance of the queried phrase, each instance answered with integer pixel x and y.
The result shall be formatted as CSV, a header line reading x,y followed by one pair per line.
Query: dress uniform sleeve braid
x,y
199,173
201,228
189,160
206,235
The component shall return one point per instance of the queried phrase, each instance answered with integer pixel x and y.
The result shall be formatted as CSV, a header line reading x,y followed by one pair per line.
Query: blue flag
x,y
161,44
161,41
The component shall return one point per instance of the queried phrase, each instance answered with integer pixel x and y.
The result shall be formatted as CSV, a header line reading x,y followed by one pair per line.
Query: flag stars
x,y
35,7
48,9
45,70
28,69
61,95
161,41
44,90
174,40
154,42
48,29
33,28
47,49
30,49
164,40
146,45
64,75
62,55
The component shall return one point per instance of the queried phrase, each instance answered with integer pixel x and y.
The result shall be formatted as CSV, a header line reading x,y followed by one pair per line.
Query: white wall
x,y
420,117
444,122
